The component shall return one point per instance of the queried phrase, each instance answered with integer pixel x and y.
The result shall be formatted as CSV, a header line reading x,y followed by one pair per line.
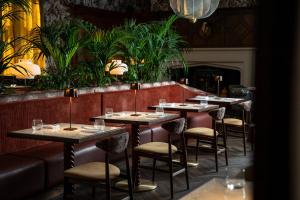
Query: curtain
x,y
22,27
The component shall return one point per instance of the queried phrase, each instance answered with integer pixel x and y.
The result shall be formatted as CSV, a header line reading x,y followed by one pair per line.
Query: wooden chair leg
x,y
185,164
94,192
130,190
244,141
171,176
197,148
153,169
225,146
216,154
107,179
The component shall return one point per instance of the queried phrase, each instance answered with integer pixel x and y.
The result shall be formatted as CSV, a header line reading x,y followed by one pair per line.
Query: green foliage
x,y
102,47
6,57
13,14
5,46
59,43
150,49
147,49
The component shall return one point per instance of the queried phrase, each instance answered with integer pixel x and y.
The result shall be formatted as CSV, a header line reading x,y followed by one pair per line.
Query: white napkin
x,y
90,129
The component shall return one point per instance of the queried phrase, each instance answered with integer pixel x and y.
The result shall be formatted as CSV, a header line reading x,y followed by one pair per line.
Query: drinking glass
x,y
235,178
99,124
108,112
159,110
162,102
37,124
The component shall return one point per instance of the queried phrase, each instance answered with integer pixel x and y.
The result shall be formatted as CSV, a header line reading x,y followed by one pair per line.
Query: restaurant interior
x,y
149,99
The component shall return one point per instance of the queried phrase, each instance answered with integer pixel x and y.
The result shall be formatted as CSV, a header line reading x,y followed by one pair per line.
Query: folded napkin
x,y
51,126
89,129
154,115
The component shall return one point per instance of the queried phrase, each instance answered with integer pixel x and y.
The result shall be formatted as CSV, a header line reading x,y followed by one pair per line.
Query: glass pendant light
x,y
194,9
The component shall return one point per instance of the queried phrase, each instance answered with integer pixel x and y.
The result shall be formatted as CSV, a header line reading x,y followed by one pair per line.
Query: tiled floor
x,y
198,176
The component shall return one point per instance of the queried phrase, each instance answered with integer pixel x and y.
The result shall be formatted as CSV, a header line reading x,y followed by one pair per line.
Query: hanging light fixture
x,y
194,9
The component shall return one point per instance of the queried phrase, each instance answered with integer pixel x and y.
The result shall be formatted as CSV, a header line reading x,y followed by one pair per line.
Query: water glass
x,y
108,112
159,110
235,179
99,124
37,124
162,102
204,101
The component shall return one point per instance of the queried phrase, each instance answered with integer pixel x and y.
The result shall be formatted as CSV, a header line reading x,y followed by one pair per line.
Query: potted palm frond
x,y
13,14
151,48
58,42
103,46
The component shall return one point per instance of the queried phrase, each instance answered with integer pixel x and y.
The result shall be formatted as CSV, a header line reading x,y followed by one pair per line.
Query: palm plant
x,y
152,47
103,46
11,14
58,42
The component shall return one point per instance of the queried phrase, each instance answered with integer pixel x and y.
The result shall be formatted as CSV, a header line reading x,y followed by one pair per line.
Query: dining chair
x,y
103,173
242,123
164,151
210,136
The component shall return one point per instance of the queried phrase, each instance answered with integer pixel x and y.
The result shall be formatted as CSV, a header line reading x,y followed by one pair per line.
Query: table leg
x,y
136,173
140,185
69,162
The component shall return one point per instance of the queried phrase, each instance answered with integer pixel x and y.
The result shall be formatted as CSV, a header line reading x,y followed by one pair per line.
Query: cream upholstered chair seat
x,y
200,131
93,171
155,147
233,121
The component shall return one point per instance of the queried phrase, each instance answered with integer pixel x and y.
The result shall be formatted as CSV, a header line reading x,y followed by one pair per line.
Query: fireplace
x,y
240,60
204,77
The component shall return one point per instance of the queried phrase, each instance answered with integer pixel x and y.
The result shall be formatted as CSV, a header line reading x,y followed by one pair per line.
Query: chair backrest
x,y
175,126
217,114
246,105
115,144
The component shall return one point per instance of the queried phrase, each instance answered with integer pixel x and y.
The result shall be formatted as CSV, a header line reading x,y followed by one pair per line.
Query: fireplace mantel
x,y
242,59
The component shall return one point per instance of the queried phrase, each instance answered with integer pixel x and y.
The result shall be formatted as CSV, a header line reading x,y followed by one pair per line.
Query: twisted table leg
x,y
69,162
136,160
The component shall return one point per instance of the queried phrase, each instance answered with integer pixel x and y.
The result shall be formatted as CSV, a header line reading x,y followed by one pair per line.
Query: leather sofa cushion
x,y
199,120
20,176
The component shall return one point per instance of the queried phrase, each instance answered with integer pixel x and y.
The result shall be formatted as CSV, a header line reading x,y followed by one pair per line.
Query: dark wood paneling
x,y
230,27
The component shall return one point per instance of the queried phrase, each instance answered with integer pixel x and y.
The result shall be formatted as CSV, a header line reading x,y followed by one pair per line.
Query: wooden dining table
x,y
221,101
136,120
184,108
56,133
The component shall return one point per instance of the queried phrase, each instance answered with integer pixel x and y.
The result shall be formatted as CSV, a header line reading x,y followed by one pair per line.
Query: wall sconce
x,y
71,93
183,81
194,9
135,87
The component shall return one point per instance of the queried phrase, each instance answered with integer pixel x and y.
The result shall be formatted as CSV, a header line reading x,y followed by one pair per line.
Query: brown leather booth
x,y
29,166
